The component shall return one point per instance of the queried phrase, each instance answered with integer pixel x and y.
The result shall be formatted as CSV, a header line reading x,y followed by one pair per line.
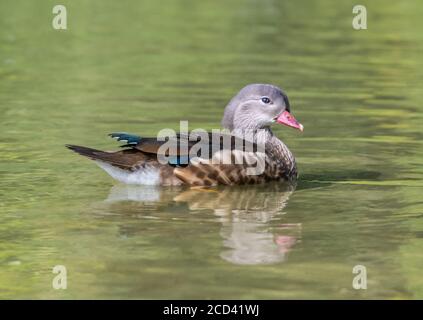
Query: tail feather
x,y
125,159
87,152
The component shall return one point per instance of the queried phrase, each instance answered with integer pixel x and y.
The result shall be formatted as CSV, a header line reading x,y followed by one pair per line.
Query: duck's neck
x,y
260,136
276,150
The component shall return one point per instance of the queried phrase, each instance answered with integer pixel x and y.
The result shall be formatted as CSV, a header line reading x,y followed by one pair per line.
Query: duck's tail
x,y
126,165
124,159
88,152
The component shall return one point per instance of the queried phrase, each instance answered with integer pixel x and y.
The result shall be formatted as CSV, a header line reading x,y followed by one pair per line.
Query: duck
x,y
174,161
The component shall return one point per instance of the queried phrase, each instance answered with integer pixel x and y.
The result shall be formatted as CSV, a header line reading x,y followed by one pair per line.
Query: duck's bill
x,y
288,119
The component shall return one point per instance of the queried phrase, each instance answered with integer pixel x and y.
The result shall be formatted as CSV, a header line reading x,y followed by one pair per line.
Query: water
x,y
142,66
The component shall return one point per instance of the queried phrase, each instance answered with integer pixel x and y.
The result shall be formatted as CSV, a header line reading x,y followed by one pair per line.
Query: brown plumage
x,y
146,161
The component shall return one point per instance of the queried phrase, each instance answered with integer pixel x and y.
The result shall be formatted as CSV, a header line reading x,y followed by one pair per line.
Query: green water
x,y
140,66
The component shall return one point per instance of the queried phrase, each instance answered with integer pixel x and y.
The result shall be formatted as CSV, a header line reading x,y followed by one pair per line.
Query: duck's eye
x,y
265,100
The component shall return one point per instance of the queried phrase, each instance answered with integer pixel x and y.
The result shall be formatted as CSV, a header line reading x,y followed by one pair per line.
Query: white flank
x,y
146,176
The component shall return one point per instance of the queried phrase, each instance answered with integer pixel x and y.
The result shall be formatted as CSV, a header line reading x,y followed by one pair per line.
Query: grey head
x,y
257,106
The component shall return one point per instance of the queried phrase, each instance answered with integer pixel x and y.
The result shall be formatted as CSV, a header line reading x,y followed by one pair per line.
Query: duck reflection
x,y
252,229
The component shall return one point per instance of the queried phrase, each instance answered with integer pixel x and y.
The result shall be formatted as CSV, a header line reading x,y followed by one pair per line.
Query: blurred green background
x,y
140,66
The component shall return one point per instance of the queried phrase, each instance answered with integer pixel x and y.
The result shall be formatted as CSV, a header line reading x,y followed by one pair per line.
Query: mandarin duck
x,y
253,110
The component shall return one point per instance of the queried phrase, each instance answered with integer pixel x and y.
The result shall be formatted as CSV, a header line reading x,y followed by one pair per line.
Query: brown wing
x,y
208,145
182,144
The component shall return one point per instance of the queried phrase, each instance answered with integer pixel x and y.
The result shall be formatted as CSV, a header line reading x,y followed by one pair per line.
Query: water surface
x,y
140,66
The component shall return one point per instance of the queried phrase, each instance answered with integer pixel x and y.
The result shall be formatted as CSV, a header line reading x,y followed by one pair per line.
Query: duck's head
x,y
257,106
